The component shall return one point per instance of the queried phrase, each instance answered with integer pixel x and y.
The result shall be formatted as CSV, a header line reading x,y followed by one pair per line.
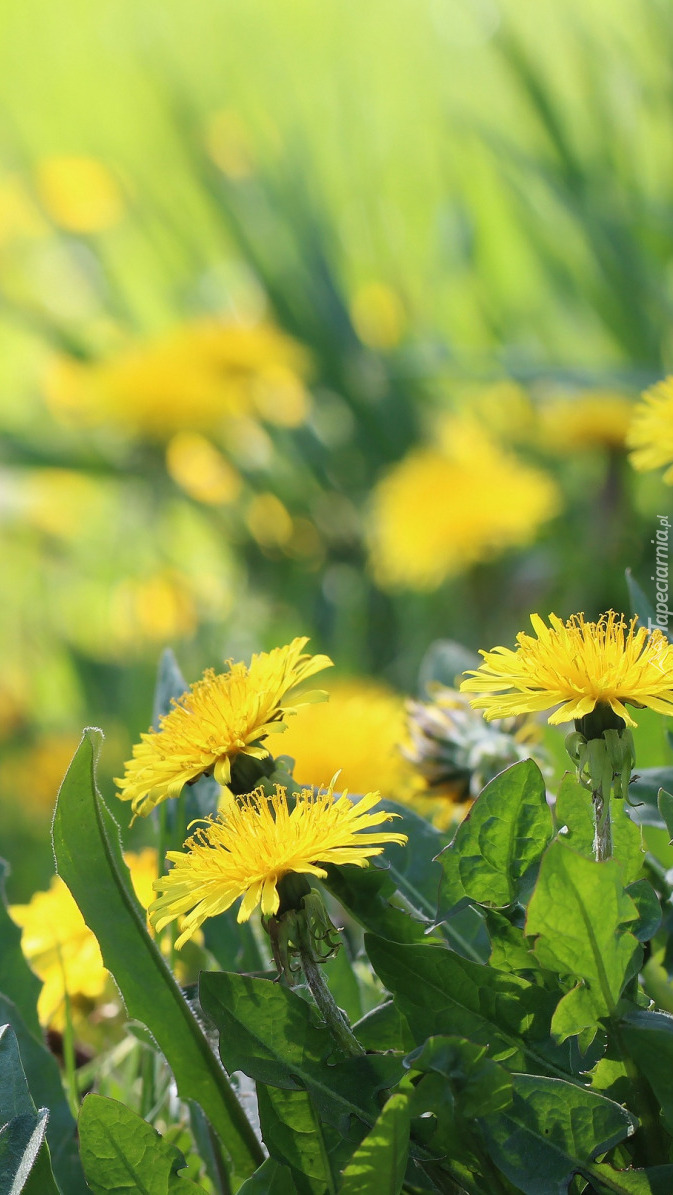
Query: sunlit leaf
x,y
380,1161
499,842
122,1152
438,992
579,911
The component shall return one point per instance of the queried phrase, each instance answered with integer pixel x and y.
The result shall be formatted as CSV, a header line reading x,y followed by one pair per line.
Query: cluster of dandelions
x,y
256,839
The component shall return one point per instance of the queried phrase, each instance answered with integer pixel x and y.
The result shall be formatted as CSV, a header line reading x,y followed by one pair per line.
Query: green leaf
x,y
368,895
15,1098
438,992
270,1179
574,810
24,1156
296,1135
414,867
88,857
665,805
646,785
578,911
649,909
17,981
380,1161
277,1038
478,1084
499,842
122,1152
510,949
656,1180
44,1083
649,1039
23,1147
551,1131
384,1028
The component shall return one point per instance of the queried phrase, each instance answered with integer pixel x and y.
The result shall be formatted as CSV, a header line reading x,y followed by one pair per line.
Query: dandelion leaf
x,y
277,1038
580,912
551,1131
438,992
499,844
380,1161
122,1152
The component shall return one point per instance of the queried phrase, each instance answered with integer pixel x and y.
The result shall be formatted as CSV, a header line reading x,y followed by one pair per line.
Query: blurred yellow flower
x,y
196,377
594,419
355,733
576,666
221,716
61,948
378,316
436,513
361,733
254,843
201,469
650,435
79,193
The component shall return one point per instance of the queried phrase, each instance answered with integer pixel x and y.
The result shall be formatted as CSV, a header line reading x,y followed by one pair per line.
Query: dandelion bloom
x,y
355,733
221,716
204,375
442,510
61,948
254,843
576,665
651,432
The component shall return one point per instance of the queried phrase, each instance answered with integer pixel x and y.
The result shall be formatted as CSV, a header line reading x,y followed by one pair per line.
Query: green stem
x,y
603,826
331,1013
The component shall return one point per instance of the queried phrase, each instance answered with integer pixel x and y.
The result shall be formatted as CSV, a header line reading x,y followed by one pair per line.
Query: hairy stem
x,y
331,1013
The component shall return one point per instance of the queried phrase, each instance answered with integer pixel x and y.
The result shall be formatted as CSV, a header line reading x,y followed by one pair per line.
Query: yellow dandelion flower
x,y
437,513
576,665
254,843
62,950
594,419
198,376
651,432
221,716
355,733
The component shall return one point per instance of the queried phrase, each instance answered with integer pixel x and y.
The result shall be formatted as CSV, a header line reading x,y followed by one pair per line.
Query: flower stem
x,y
331,1013
603,826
